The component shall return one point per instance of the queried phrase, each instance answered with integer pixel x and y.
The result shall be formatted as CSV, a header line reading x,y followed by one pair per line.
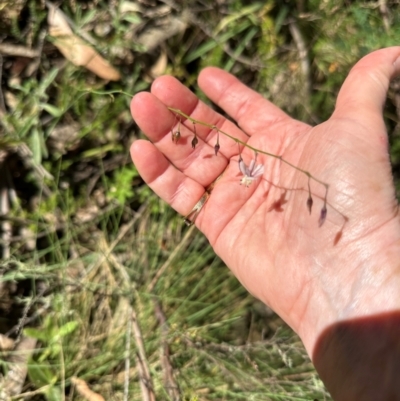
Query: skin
x,y
331,284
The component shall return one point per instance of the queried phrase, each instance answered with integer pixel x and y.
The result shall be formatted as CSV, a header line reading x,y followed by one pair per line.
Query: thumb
x,y
365,88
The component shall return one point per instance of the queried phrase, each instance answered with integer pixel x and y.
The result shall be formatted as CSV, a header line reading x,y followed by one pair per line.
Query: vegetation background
x,y
104,293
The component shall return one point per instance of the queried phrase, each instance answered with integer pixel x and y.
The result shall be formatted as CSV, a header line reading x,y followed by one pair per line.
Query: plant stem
x,y
214,127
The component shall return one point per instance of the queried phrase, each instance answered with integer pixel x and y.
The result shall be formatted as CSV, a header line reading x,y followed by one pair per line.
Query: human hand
x,y
311,276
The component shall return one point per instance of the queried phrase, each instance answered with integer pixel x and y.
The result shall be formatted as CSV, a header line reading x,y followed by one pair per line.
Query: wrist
x,y
366,283
351,329
359,359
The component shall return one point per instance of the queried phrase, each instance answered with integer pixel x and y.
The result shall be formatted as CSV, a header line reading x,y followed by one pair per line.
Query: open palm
x,y
264,232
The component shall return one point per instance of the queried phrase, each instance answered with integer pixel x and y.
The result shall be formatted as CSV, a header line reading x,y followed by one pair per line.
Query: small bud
x,y
175,136
242,166
322,216
195,141
309,203
216,148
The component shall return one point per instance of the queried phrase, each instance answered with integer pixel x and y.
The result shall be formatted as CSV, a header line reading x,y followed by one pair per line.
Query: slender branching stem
x,y
238,141
176,137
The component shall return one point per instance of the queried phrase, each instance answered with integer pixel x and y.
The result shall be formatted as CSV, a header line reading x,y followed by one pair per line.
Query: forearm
x,y
359,359
357,353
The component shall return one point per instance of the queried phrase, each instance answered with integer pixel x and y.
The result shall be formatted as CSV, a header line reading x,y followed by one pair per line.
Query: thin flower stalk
x,y
177,112
250,172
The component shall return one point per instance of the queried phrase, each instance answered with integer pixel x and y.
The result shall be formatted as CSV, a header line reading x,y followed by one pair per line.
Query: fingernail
x,y
396,65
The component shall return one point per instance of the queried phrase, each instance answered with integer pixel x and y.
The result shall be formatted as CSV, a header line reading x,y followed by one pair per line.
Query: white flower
x,y
250,173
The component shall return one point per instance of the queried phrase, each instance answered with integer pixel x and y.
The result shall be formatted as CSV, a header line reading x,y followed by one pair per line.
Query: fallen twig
x,y
2,104
303,55
383,8
12,383
145,380
127,357
5,226
169,379
10,49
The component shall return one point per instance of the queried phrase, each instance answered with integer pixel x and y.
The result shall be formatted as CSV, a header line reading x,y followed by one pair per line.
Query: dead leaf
x,y
76,49
17,367
83,389
86,214
159,67
166,28
129,7
6,343
64,137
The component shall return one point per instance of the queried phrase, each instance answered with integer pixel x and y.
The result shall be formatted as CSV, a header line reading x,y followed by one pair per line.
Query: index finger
x,y
150,111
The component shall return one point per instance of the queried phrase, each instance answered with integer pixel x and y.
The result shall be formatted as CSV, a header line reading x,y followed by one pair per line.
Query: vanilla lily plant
x,y
253,170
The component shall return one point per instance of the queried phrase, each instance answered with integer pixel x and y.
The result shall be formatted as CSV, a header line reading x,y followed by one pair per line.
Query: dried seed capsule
x,y
216,148
175,136
195,141
309,203
322,216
